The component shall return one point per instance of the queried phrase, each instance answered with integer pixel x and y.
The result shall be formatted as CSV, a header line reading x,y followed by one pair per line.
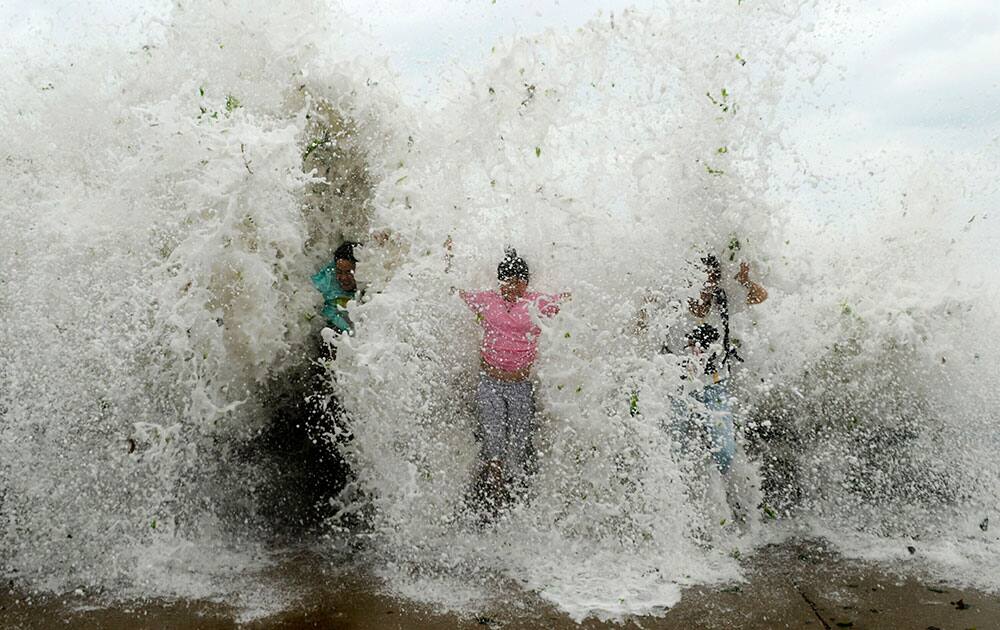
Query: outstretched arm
x,y
755,292
474,300
548,305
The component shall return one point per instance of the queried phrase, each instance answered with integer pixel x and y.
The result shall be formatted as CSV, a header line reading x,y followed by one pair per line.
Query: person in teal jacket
x,y
337,284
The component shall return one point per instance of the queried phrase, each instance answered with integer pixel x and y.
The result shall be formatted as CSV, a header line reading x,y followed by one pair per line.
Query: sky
x,y
905,80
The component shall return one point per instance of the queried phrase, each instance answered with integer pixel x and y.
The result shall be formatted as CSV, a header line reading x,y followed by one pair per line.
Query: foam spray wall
x,y
612,157
163,210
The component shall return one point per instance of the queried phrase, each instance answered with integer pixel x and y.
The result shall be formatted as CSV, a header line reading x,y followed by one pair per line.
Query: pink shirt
x,y
510,338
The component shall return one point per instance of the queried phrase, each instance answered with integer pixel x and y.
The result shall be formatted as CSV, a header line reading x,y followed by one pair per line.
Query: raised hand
x,y
743,276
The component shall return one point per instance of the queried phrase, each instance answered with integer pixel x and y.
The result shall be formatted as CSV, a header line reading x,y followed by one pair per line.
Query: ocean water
x,y
165,206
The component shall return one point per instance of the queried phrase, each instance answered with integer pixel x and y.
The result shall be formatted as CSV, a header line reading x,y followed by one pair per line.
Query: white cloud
x,y
916,64
906,84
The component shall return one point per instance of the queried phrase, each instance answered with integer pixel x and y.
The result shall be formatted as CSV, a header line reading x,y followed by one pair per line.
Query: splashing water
x,y
159,231
166,207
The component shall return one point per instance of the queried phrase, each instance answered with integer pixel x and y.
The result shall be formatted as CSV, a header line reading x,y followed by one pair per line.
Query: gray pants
x,y
506,423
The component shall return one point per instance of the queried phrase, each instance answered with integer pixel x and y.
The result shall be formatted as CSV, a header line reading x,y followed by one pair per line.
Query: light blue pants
x,y
711,421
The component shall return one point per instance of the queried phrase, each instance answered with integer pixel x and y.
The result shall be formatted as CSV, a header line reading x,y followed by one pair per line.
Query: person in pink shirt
x,y
505,394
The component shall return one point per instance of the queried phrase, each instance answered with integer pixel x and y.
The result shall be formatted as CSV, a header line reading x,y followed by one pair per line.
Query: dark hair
x,y
346,251
703,336
711,262
512,266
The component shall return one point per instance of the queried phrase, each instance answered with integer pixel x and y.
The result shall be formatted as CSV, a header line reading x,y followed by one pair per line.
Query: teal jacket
x,y
335,298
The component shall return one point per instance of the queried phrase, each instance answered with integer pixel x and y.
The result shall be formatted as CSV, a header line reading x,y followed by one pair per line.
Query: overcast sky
x,y
904,77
